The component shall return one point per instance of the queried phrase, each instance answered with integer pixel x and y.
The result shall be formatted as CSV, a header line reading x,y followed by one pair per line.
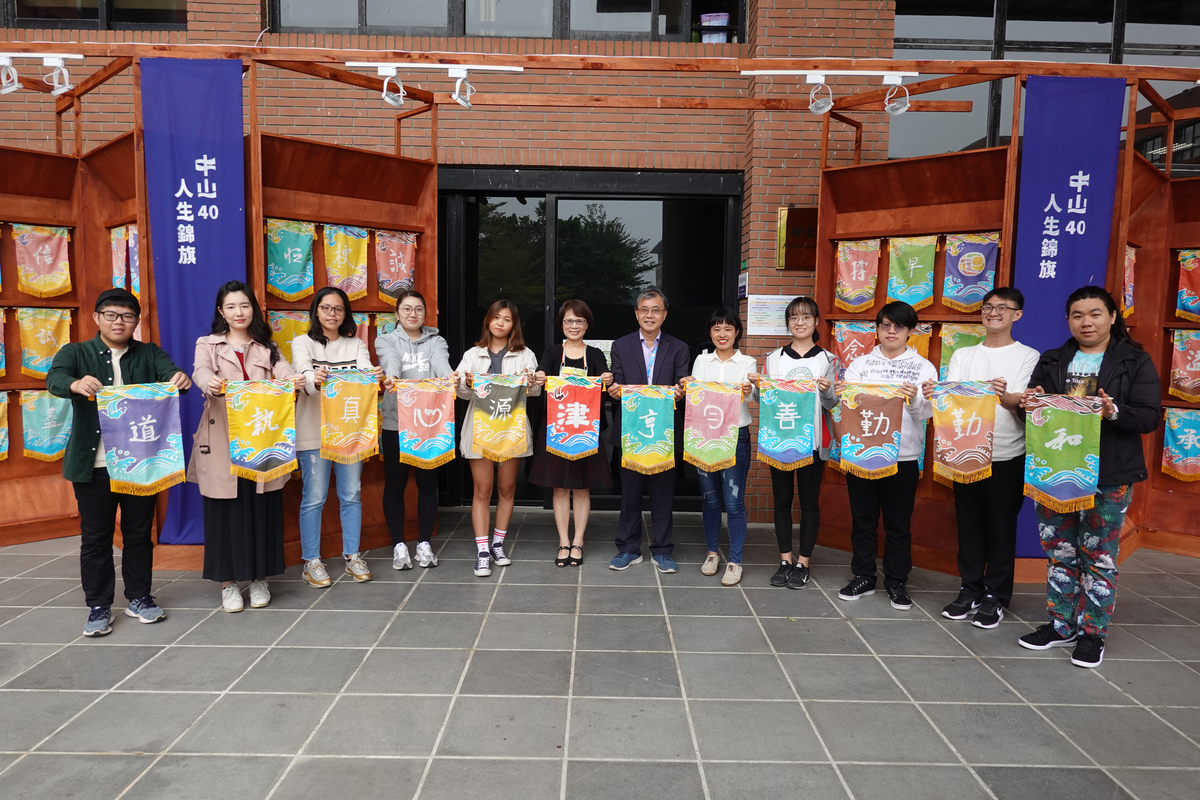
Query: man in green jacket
x,y
79,371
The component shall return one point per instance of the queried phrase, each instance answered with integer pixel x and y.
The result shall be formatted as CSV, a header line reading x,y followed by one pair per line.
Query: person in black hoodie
x,y
1099,360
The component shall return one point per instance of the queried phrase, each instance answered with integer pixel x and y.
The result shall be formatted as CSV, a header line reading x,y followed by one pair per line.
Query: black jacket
x,y
1129,378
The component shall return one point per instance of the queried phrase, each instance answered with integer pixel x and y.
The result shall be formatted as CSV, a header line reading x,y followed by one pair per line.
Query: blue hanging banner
x,y
192,126
1064,211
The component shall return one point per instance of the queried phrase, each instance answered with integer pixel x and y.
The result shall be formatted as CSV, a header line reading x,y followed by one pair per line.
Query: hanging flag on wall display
x,y
143,441
499,423
286,326
1128,280
1187,305
910,270
346,259
362,327
920,338
43,333
350,416
425,417
851,340
857,274
648,428
970,269
135,262
870,424
955,336
43,260
710,424
385,323
1185,366
262,428
290,258
964,414
3,368
395,257
1062,446
3,425
835,437
572,416
119,245
1181,444
45,425
788,422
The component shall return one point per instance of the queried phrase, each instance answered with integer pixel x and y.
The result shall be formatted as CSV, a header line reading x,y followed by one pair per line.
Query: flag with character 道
x,y
143,439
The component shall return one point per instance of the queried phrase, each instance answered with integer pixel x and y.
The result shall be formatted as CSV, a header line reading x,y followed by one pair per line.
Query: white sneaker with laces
x,y
400,557
425,556
260,595
357,569
712,563
733,574
231,598
315,574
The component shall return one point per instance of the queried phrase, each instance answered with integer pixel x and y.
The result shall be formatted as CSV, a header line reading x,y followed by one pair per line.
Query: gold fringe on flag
x,y
948,477
917,306
854,308
43,456
645,470
966,308
870,474
349,458
701,464
804,462
444,458
264,477
1059,506
1180,476
145,490
1189,316
1182,395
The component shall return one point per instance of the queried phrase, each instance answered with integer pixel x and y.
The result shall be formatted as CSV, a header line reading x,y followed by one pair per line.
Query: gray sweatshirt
x,y
401,357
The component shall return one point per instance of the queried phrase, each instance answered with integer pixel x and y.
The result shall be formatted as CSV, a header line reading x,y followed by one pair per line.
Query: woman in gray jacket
x,y
412,351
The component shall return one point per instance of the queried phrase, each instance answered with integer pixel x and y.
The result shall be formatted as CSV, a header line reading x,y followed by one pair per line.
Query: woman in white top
x,y
500,350
726,487
330,344
802,359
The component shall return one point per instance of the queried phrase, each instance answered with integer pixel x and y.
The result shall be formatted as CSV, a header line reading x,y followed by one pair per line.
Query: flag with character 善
x,y
349,416
262,428
788,422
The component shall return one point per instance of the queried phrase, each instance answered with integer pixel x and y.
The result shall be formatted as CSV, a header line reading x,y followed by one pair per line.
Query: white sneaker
x,y
400,558
425,556
712,562
315,575
231,598
260,595
733,574
357,569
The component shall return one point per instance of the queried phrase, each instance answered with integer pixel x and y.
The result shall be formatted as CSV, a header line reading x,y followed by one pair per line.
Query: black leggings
x,y
395,479
808,479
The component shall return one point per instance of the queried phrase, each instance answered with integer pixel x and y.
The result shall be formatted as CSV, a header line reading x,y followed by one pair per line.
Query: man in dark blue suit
x,y
645,357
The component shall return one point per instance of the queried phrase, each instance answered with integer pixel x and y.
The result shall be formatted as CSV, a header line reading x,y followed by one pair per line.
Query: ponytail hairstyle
x,y
259,330
1120,331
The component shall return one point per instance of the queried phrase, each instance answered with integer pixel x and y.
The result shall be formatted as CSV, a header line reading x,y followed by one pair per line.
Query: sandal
x,y
562,561
575,562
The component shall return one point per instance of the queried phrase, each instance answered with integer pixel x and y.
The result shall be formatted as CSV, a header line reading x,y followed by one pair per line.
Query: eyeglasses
x,y
804,319
574,323
411,311
891,326
990,309
113,316
333,311
651,312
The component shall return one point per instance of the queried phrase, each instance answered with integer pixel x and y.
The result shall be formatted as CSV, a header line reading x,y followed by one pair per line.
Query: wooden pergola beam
x,y
93,82
1147,91
345,76
922,87
34,84
515,99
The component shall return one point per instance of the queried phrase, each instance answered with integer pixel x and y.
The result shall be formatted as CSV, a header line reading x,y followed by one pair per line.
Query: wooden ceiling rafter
x,y
921,87
92,82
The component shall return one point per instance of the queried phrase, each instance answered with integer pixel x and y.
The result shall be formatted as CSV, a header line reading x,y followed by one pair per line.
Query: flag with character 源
x,y
499,423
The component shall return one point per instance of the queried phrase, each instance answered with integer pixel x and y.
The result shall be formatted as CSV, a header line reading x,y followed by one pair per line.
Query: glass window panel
x,y
511,259
943,27
1138,33
611,15
319,13
505,18
931,132
58,9
149,12
1057,31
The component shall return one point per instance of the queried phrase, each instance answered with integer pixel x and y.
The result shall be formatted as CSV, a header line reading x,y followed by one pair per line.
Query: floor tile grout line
x,y
647,525
562,791
345,684
803,705
1146,706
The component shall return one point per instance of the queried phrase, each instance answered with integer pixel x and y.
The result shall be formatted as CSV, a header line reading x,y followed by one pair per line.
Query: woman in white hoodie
x,y
330,344
500,350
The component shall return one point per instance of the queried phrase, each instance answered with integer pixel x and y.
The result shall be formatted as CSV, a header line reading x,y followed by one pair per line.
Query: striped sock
x,y
481,543
498,536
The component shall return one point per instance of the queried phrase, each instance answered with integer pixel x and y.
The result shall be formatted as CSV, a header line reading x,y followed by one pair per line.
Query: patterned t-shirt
x,y
1083,374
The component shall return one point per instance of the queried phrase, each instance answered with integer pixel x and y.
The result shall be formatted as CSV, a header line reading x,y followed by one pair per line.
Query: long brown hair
x,y
516,339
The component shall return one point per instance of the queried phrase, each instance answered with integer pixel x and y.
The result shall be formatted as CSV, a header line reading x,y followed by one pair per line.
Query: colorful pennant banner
x,y
964,415
970,269
350,416
43,260
290,258
910,270
1127,283
851,340
119,246
1181,444
788,420
346,259
44,331
385,323
1062,451
2,362
920,338
395,257
499,423
857,274
143,439
3,425
1187,304
45,424
870,424
425,417
955,336
362,327
286,326
648,428
835,437
711,414
1185,366
572,416
135,263
262,428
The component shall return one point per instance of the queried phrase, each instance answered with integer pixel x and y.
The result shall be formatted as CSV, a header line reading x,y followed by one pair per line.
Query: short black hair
x,y
726,316
1009,294
119,302
803,304
576,307
899,313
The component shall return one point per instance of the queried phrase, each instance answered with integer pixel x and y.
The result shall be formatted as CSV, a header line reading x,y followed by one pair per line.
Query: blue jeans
x,y
727,487
315,471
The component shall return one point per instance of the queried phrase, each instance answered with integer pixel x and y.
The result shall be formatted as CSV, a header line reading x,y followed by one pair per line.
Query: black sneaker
x,y
990,612
1089,652
499,557
1044,638
962,606
856,588
780,578
899,597
799,577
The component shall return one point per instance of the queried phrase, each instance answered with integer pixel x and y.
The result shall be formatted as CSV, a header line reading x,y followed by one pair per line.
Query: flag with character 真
x,y
349,415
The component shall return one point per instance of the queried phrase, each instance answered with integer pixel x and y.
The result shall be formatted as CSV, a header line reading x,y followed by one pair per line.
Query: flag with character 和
x,y
143,440
712,411
499,423
425,418
572,416
1062,451
870,426
349,415
788,422
964,416
262,428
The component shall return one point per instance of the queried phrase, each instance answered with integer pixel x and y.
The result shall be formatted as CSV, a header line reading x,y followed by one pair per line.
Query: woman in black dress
x,y
571,478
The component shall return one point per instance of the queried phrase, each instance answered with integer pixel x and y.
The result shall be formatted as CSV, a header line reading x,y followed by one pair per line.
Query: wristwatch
x,y
1115,414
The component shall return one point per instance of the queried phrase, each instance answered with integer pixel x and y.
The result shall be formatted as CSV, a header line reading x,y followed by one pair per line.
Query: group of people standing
x,y
243,519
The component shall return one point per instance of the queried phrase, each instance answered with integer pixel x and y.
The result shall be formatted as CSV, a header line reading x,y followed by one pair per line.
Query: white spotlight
x,y
395,98
820,105
59,80
463,98
893,104
9,82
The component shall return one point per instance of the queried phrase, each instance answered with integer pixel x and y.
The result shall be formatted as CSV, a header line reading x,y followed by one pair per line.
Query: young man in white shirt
x,y
987,509
892,361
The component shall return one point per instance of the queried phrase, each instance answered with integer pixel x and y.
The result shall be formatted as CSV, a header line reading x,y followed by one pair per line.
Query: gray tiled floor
x,y
587,683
